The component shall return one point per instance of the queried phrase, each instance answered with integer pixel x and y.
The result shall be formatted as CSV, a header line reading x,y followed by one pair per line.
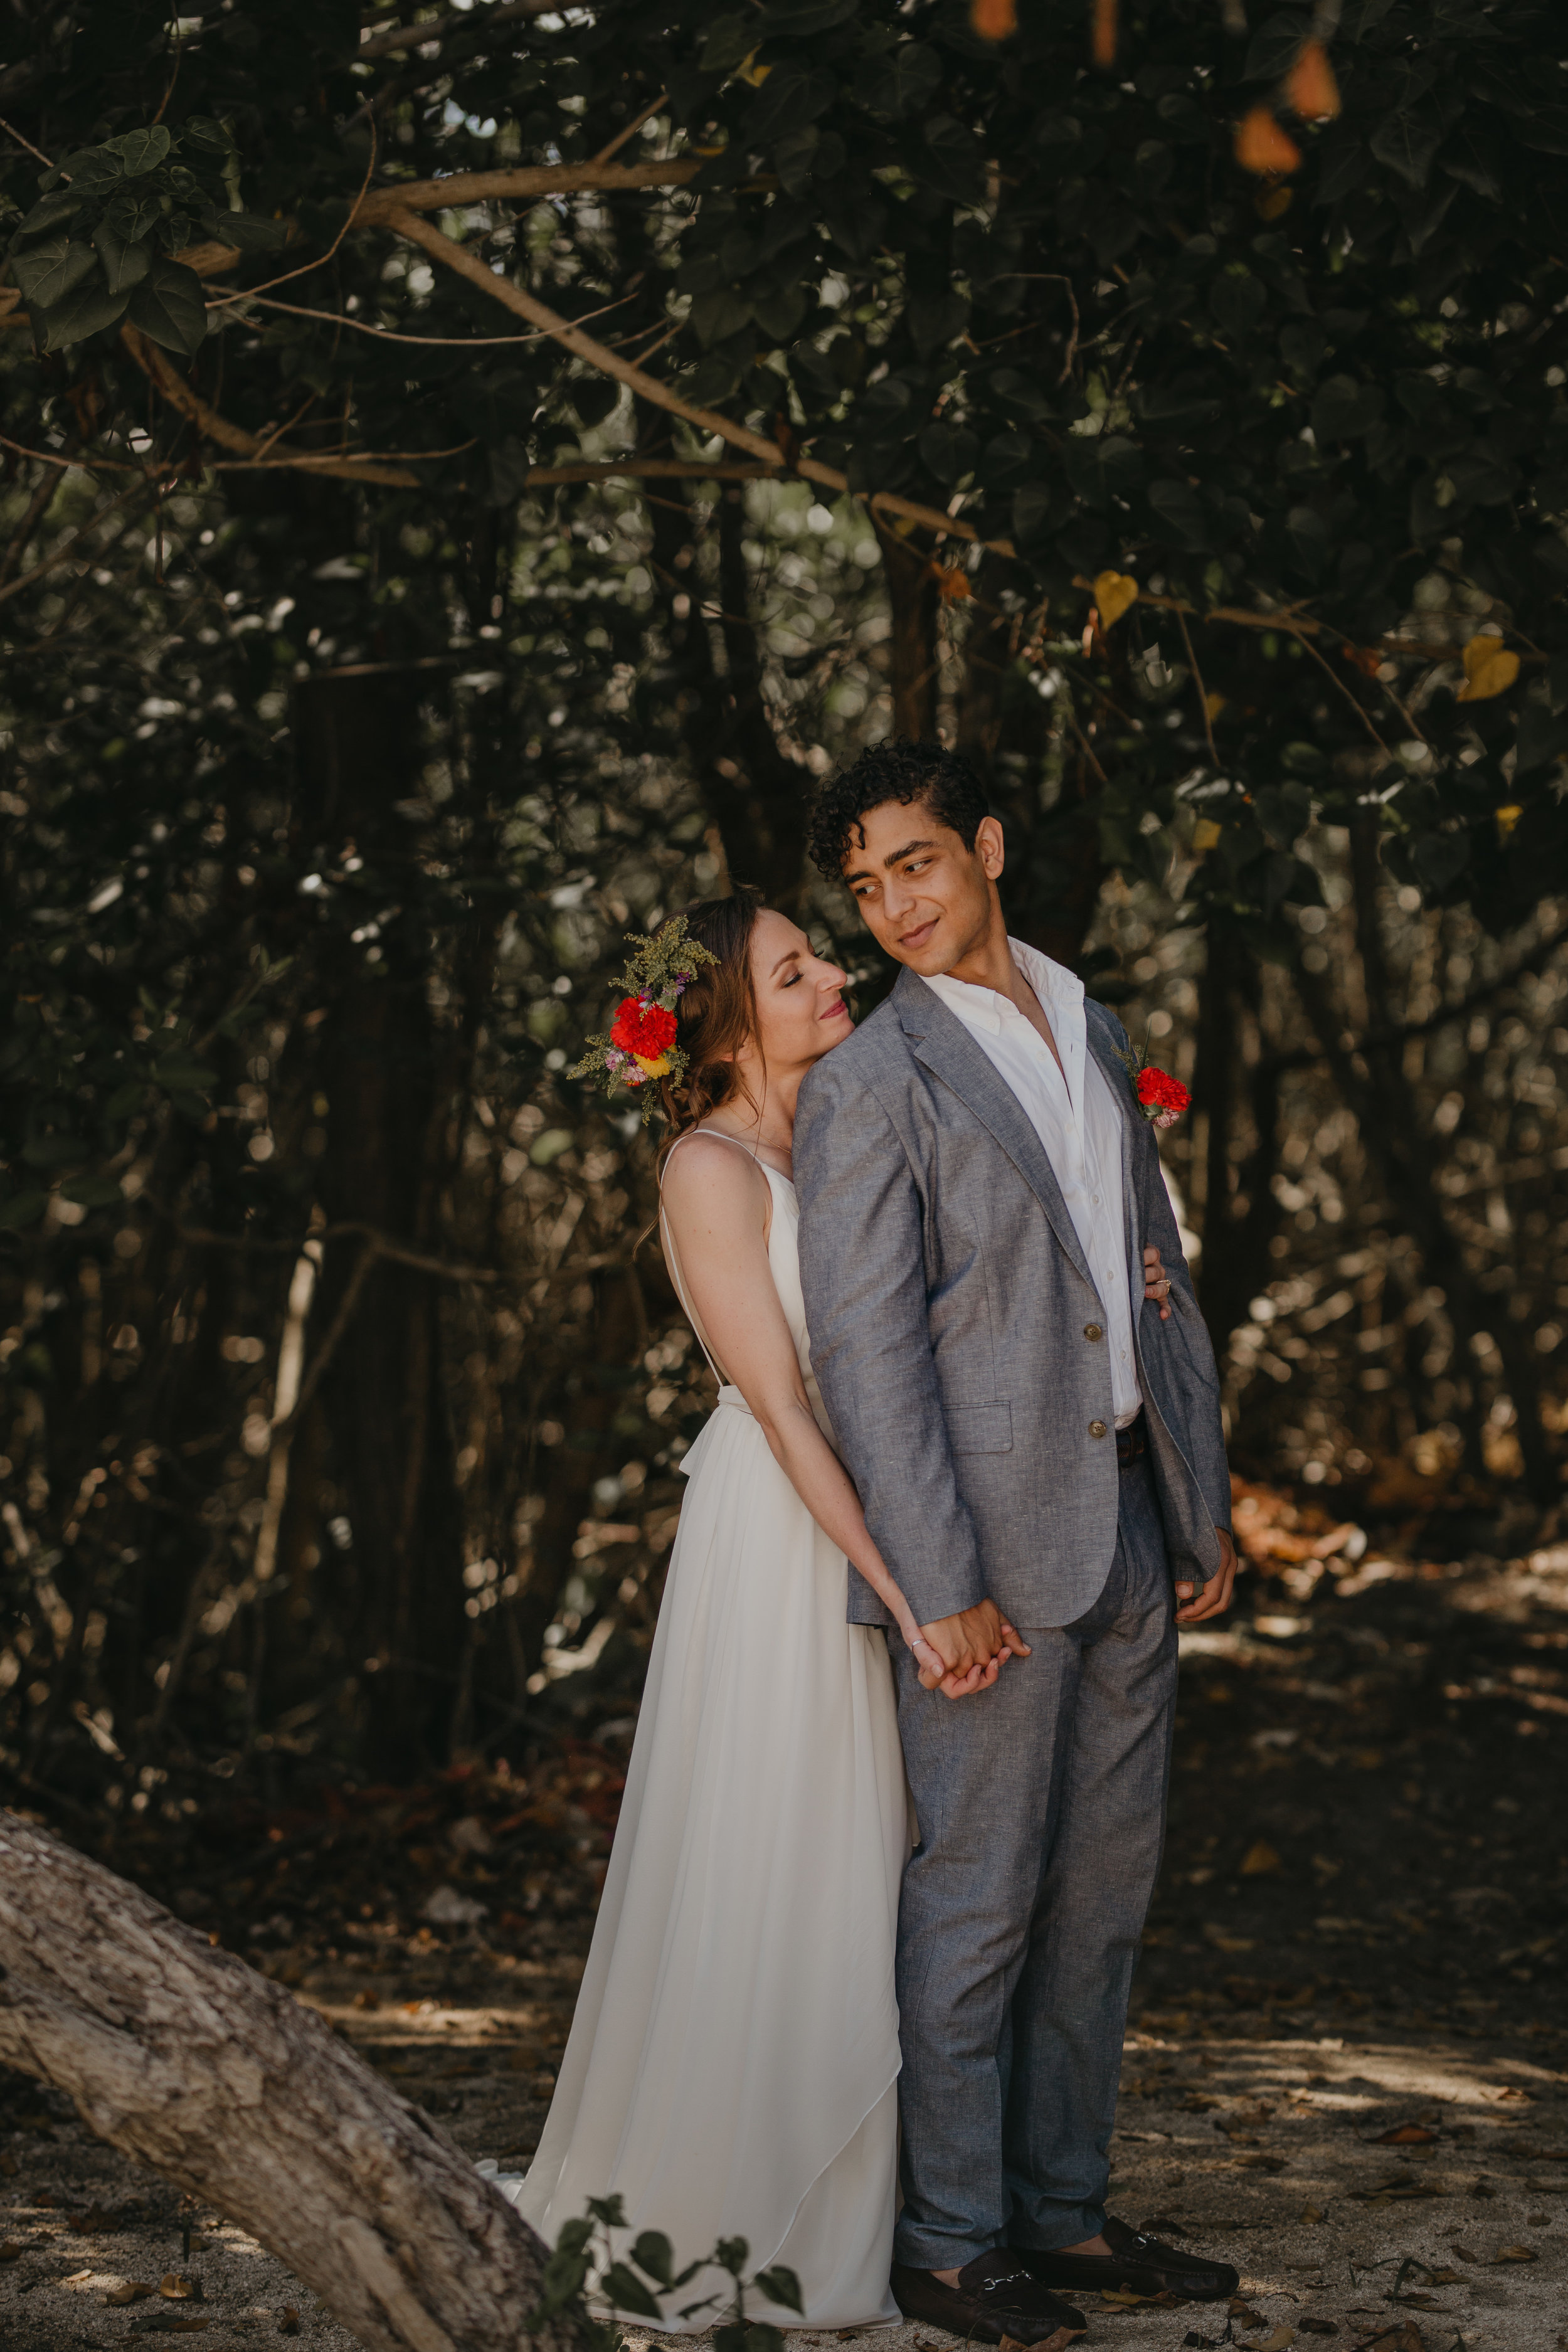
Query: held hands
x,y
961,1655
1215,1596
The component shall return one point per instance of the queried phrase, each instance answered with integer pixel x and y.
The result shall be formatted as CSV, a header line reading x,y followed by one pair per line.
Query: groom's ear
x,y
990,847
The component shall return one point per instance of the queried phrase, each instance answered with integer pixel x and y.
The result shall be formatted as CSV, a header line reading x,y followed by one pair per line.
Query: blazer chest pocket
x,y
979,1428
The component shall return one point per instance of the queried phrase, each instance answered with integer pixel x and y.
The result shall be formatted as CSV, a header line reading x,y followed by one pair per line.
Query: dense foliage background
x,y
658,405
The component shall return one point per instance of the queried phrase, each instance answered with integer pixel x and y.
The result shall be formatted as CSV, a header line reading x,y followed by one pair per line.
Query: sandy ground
x,y
1358,1934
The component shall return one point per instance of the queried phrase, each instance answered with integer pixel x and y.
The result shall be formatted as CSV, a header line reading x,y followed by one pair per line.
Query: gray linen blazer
x,y
957,1334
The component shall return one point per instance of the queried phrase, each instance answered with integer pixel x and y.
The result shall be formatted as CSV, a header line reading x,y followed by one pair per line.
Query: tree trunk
x,y
357,741
912,646
187,2060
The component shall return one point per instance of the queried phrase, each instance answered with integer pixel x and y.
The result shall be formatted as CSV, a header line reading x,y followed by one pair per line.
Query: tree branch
x,y
461,20
384,205
456,257
156,365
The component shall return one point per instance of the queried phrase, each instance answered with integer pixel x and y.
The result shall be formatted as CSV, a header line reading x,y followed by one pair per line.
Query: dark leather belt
x,y
1132,1442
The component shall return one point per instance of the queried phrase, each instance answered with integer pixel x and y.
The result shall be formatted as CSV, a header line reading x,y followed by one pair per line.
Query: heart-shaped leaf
x,y
47,272
1489,669
1115,594
124,265
134,214
169,306
142,150
87,309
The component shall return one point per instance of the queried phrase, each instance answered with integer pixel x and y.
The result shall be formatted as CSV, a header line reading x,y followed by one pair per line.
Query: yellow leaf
x,y
1310,2213
1490,669
756,75
1272,204
1516,2254
1278,2339
1114,593
1213,705
1260,1861
1206,834
1507,818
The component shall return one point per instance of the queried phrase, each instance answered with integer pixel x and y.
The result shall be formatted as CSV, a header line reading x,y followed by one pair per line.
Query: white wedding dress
x,y
733,2062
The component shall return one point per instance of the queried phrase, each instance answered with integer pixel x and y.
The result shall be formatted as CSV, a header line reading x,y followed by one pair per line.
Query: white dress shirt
x,y
1079,1121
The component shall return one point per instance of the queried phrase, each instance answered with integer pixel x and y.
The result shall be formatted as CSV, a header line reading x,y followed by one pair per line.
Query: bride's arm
x,y
717,1203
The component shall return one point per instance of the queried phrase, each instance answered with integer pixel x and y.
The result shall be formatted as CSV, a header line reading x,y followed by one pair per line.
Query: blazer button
x,y
1092,1331
1097,1429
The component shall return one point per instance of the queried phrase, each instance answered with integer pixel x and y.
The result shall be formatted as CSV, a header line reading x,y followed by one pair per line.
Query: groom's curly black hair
x,y
894,771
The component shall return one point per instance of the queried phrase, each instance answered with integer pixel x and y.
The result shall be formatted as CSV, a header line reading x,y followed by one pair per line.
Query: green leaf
x,y
134,214
55,1151
251,232
169,306
624,2291
47,272
182,1070
780,2284
203,131
124,265
87,307
1406,142
62,207
730,42
654,2254
93,1191
142,150
124,1100
93,169
21,1210
1178,504
792,96
795,18
1272,48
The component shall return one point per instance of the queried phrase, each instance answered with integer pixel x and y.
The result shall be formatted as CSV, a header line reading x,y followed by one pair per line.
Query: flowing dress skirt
x,y
732,2066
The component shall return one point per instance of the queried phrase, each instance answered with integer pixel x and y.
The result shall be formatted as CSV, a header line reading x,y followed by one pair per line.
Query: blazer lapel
x,y
939,1039
1120,1084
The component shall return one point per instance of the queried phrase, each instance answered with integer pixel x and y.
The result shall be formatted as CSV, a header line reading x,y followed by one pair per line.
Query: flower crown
x,y
641,1044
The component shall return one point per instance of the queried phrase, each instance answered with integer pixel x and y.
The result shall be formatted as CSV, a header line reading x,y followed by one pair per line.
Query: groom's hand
x,y
1216,1595
971,1641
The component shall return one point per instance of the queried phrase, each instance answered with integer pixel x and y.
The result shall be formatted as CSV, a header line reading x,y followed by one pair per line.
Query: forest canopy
x,y
658,403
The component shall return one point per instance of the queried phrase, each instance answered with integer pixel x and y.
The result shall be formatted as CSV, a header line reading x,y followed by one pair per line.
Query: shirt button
x,y
1095,1198
1093,1331
1097,1429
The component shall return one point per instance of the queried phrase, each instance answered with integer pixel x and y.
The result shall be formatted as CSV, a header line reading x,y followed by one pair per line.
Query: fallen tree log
x,y
183,2057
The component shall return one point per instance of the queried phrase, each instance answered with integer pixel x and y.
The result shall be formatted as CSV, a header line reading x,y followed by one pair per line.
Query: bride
x,y
733,2062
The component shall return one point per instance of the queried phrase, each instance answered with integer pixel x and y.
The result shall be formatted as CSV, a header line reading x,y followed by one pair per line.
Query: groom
x,y
976,1184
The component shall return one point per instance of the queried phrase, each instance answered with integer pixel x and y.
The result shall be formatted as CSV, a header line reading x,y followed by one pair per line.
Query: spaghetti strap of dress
x,y
672,1255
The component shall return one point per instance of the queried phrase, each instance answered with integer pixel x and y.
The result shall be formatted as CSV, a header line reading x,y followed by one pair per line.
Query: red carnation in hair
x,y
647,1031
1163,1098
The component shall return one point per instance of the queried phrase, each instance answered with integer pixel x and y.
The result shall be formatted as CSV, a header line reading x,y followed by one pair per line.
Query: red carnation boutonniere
x,y
1161,1097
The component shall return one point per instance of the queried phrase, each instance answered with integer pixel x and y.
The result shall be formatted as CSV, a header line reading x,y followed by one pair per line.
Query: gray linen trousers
x,y
959,1341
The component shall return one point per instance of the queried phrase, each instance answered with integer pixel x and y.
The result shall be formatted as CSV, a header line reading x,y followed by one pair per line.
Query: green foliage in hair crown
x,y
641,1041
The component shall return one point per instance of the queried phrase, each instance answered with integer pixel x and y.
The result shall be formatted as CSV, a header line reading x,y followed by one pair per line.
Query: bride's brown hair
x,y
717,1014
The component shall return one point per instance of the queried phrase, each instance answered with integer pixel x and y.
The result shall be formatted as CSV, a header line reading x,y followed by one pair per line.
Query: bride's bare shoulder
x,y
711,1169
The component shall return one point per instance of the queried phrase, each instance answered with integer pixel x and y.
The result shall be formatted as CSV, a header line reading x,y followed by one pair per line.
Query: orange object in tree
x,y
1310,86
994,20
1105,32
1261,146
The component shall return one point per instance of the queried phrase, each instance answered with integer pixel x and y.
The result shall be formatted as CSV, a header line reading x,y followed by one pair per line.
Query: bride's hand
x,y
934,1675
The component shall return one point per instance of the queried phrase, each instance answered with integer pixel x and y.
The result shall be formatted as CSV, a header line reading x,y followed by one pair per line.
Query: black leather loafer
x,y
1140,2264
996,2295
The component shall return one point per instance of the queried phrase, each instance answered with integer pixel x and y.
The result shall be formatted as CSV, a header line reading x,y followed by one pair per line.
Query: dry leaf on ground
x,y
133,2290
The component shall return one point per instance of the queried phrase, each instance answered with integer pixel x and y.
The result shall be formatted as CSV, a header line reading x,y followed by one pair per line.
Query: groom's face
x,y
922,895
